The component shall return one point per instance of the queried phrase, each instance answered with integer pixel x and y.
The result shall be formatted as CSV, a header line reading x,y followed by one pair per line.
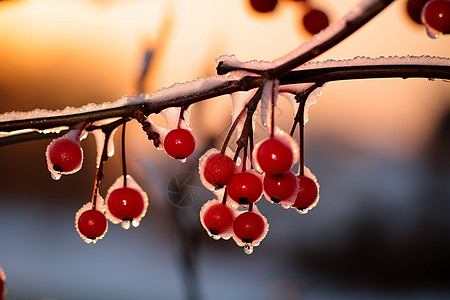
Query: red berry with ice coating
x,y
274,157
315,20
281,187
65,155
125,203
218,169
263,6
249,226
436,14
307,193
92,224
218,218
179,143
245,188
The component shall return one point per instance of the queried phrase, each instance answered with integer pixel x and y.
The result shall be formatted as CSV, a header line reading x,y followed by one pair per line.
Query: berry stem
x,y
82,128
272,111
230,132
244,157
107,130
181,117
124,161
249,109
301,130
224,199
250,207
300,119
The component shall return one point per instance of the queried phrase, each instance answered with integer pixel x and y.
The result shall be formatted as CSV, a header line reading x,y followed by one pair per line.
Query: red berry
x,y
92,224
179,143
65,155
244,188
280,188
414,9
307,193
125,203
263,6
315,20
274,157
218,169
249,226
436,14
218,218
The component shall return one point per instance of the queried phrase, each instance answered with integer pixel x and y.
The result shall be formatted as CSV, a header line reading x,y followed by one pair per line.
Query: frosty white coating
x,y
269,94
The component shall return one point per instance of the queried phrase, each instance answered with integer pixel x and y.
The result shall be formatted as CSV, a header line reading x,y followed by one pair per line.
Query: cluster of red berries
x,y
272,177
314,20
126,203
434,14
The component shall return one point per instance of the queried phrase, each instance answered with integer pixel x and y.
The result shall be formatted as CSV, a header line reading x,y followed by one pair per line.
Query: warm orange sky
x,y
59,53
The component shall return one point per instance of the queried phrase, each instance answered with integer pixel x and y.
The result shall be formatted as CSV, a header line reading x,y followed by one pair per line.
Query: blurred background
x,y
379,148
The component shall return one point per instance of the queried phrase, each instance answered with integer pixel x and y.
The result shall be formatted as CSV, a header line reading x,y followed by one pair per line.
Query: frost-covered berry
x,y
249,226
307,193
179,143
218,169
92,224
217,218
436,14
274,157
282,187
125,203
64,155
315,21
245,188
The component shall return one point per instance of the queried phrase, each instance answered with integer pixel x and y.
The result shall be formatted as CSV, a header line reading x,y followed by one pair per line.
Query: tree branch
x,y
318,75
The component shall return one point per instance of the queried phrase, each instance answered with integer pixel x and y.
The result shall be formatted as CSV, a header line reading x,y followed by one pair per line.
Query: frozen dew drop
x,y
110,149
183,160
56,175
126,224
248,248
431,32
215,237
135,223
